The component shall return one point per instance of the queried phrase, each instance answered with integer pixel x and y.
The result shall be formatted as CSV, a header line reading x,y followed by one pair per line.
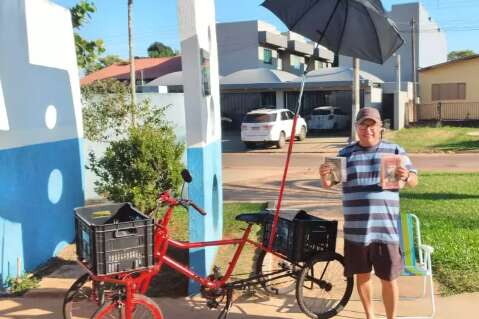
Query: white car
x,y
327,118
271,126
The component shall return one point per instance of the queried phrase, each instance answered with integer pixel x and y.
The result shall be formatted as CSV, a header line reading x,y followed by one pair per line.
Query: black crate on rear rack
x,y
300,236
113,238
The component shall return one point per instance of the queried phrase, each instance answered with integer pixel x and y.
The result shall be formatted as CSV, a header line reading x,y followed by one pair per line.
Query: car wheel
x,y
282,140
250,145
302,134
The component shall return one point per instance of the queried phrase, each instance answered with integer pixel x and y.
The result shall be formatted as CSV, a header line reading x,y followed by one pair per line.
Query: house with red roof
x,y
146,70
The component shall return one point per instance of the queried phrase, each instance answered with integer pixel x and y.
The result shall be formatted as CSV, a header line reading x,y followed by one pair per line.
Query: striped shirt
x,y
370,213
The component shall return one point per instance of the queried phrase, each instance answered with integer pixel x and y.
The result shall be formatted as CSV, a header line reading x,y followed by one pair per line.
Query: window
x,y
448,91
284,116
259,118
267,56
295,62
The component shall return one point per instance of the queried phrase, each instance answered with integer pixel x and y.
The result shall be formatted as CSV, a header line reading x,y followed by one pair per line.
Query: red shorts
x,y
386,259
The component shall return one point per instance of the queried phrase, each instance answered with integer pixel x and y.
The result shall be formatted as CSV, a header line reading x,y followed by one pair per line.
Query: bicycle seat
x,y
253,218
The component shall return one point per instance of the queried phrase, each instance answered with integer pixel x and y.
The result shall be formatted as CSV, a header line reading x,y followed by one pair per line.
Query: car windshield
x,y
259,118
321,112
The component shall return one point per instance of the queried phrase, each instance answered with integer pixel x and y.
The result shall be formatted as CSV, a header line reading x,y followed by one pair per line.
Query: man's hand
x,y
406,176
325,172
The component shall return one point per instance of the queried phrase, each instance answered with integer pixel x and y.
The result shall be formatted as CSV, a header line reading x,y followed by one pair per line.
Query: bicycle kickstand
x,y
229,302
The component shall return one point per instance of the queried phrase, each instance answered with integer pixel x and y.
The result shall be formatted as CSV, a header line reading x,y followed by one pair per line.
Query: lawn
x,y
436,139
448,207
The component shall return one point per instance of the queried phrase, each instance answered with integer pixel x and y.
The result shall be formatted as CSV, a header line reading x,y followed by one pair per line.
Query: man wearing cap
x,y
371,236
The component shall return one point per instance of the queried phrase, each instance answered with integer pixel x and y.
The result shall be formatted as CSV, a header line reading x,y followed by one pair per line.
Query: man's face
x,y
369,132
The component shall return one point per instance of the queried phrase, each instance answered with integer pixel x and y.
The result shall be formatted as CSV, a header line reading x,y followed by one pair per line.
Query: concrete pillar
x,y
398,98
356,90
280,100
202,107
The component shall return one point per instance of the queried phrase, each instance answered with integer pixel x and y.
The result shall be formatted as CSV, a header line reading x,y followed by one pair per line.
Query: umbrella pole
x,y
288,156
293,132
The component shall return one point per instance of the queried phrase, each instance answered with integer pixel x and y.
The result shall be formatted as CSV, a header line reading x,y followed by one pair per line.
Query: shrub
x,y
142,158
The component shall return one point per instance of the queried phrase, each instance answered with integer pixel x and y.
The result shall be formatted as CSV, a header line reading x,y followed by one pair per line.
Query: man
x,y
371,236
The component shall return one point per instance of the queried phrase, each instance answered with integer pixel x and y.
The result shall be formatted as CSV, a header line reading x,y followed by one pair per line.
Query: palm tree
x,y
132,61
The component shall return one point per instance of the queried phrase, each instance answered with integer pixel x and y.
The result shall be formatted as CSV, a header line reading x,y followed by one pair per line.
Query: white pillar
x,y
280,99
199,58
398,98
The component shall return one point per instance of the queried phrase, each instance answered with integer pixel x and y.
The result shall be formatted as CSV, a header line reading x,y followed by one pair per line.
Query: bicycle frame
x,y
138,281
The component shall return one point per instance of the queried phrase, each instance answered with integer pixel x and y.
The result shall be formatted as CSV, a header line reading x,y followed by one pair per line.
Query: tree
x,y
454,55
141,159
87,50
158,49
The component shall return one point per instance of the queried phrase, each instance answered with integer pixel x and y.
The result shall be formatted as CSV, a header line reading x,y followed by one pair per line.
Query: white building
x,y
257,44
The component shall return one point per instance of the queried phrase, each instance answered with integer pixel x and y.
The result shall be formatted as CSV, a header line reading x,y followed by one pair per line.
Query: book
x,y
338,169
389,165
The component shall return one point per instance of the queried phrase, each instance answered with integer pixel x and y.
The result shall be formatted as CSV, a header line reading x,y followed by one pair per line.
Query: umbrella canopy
x,y
356,28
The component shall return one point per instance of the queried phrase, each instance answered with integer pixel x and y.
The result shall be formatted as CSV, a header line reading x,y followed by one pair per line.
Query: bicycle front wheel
x,y
143,308
322,290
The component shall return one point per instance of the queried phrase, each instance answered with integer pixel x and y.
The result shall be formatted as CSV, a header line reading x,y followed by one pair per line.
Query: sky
x,y
156,20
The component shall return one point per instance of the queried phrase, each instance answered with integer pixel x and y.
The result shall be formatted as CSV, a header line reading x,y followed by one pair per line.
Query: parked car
x,y
271,126
327,118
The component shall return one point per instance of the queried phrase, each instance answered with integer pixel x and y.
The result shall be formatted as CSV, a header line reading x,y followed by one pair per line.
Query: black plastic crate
x,y
113,238
300,236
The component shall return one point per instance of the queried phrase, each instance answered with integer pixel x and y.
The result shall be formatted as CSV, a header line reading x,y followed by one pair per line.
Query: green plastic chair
x,y
417,257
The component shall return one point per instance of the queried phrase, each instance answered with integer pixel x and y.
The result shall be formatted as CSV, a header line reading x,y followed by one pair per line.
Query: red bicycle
x,y
302,257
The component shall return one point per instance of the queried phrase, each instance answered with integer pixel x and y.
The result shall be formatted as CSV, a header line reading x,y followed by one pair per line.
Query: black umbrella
x,y
356,28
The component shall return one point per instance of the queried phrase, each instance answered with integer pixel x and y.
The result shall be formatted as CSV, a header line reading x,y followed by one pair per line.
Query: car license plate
x,y
255,128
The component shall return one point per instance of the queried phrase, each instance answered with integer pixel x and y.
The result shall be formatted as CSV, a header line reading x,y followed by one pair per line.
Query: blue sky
x,y
155,20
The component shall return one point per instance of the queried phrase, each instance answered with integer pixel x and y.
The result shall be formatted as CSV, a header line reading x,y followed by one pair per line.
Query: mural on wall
x,y
202,108
41,169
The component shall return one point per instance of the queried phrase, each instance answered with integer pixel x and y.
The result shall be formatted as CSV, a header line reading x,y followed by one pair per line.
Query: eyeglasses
x,y
364,126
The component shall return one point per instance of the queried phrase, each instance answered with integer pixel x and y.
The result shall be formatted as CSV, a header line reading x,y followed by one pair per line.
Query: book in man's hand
x,y
389,165
338,169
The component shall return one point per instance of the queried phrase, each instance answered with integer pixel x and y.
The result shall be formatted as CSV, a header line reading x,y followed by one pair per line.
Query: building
x,y
430,44
256,44
146,70
450,90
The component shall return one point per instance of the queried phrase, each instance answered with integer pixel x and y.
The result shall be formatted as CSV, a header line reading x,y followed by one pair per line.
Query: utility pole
x,y
356,98
132,62
414,67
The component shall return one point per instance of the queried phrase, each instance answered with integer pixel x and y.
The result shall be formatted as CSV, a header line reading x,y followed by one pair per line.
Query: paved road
x,y
256,177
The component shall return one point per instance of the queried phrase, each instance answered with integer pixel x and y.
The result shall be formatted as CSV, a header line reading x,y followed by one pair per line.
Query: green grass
x,y
448,207
436,139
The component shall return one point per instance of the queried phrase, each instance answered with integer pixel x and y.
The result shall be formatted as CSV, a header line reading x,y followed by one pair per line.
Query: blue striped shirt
x,y
370,213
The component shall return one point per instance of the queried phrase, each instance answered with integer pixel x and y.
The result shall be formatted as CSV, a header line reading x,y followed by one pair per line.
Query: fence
x,y
455,111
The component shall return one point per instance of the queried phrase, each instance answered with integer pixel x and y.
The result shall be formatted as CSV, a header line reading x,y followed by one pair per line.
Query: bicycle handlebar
x,y
197,208
166,198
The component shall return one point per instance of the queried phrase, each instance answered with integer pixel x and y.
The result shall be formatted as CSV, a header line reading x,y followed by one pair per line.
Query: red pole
x,y
283,181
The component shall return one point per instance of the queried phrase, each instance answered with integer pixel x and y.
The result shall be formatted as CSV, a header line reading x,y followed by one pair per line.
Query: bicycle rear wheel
x,y
82,299
322,290
143,308
276,281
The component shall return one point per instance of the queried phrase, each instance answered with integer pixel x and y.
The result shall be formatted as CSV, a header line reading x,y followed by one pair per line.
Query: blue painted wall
x,y
206,190
40,186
